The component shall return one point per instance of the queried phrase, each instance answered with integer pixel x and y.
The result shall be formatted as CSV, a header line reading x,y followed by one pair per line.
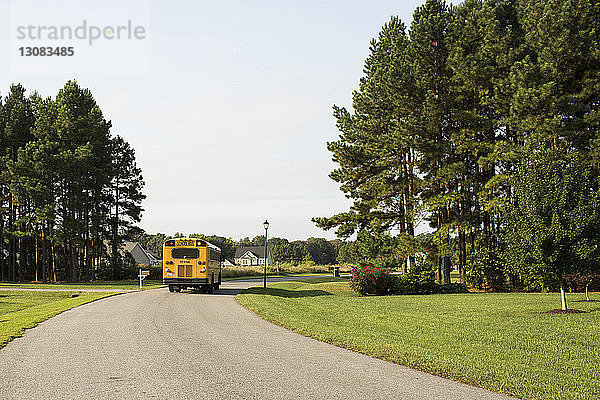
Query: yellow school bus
x,y
191,263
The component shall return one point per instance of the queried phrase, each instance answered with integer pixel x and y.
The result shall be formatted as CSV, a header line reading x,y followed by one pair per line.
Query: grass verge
x,y
499,341
20,310
240,278
125,285
284,270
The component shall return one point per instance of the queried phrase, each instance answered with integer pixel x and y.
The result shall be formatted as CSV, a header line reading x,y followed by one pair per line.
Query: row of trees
x,y
67,187
482,121
313,250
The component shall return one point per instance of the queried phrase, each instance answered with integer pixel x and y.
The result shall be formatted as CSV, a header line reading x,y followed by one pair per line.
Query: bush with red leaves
x,y
371,280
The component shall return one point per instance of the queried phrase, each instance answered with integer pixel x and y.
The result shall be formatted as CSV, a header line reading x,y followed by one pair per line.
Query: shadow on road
x,y
217,292
269,291
287,293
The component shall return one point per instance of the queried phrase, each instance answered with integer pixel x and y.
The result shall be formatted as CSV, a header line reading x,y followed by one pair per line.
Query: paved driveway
x,y
156,344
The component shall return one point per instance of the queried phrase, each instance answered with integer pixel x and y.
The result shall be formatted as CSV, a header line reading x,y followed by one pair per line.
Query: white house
x,y
252,255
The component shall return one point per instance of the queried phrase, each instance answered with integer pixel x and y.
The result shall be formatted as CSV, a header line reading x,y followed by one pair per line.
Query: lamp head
x,y
266,224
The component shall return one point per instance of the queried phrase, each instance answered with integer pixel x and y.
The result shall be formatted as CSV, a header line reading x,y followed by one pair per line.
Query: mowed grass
x,y
20,309
124,285
499,341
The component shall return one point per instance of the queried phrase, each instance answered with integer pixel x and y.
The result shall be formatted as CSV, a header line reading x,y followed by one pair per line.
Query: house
x,y
252,255
139,254
227,263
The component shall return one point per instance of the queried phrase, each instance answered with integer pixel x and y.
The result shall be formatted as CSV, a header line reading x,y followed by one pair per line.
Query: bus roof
x,y
210,245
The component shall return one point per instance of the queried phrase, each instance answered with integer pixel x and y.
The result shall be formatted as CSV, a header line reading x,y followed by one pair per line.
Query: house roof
x,y
259,251
126,247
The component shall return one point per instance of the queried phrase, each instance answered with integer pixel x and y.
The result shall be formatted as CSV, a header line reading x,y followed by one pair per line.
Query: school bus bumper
x,y
185,281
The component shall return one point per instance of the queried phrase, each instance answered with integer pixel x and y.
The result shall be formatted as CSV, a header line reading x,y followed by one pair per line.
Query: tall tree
x,y
487,40
126,190
16,121
375,152
432,121
57,184
557,97
84,137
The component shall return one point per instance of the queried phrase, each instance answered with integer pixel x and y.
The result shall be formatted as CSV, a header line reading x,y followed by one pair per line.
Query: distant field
x,y
499,341
126,285
238,278
20,310
287,270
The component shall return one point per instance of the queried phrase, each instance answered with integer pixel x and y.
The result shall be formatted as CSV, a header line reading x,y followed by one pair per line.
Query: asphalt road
x,y
156,344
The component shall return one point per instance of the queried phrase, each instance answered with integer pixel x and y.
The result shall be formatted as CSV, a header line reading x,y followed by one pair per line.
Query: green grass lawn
x,y
20,310
128,285
499,341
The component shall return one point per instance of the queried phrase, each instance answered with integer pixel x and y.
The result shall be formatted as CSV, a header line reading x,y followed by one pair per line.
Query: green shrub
x,y
451,288
416,283
486,270
424,283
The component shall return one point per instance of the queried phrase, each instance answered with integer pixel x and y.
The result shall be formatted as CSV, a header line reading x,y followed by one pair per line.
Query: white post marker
x,y
142,275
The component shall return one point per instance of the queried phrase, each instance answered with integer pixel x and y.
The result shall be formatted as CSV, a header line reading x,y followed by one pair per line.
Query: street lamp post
x,y
266,225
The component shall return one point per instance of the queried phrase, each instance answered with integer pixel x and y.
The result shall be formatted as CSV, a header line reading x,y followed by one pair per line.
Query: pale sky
x,y
237,94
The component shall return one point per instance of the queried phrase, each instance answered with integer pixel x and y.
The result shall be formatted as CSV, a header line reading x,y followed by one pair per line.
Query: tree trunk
x,y
22,259
411,232
587,293
563,296
2,263
115,231
37,260
44,259
11,241
53,257
446,262
462,255
66,259
73,255
447,267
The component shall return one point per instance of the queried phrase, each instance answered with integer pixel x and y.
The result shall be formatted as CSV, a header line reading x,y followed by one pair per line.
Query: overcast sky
x,y
228,106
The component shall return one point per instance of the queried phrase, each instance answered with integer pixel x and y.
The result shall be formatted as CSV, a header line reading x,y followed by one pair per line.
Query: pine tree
x,y
16,120
126,196
487,40
556,101
375,153
432,122
60,168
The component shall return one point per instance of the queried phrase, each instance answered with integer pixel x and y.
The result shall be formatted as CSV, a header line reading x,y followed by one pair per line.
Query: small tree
x,y
555,223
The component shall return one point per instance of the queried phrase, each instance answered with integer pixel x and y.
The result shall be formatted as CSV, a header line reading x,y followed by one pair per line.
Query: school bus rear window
x,y
183,252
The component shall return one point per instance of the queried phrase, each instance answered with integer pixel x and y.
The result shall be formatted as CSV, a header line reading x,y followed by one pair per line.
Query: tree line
x,y
318,251
480,120
70,190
